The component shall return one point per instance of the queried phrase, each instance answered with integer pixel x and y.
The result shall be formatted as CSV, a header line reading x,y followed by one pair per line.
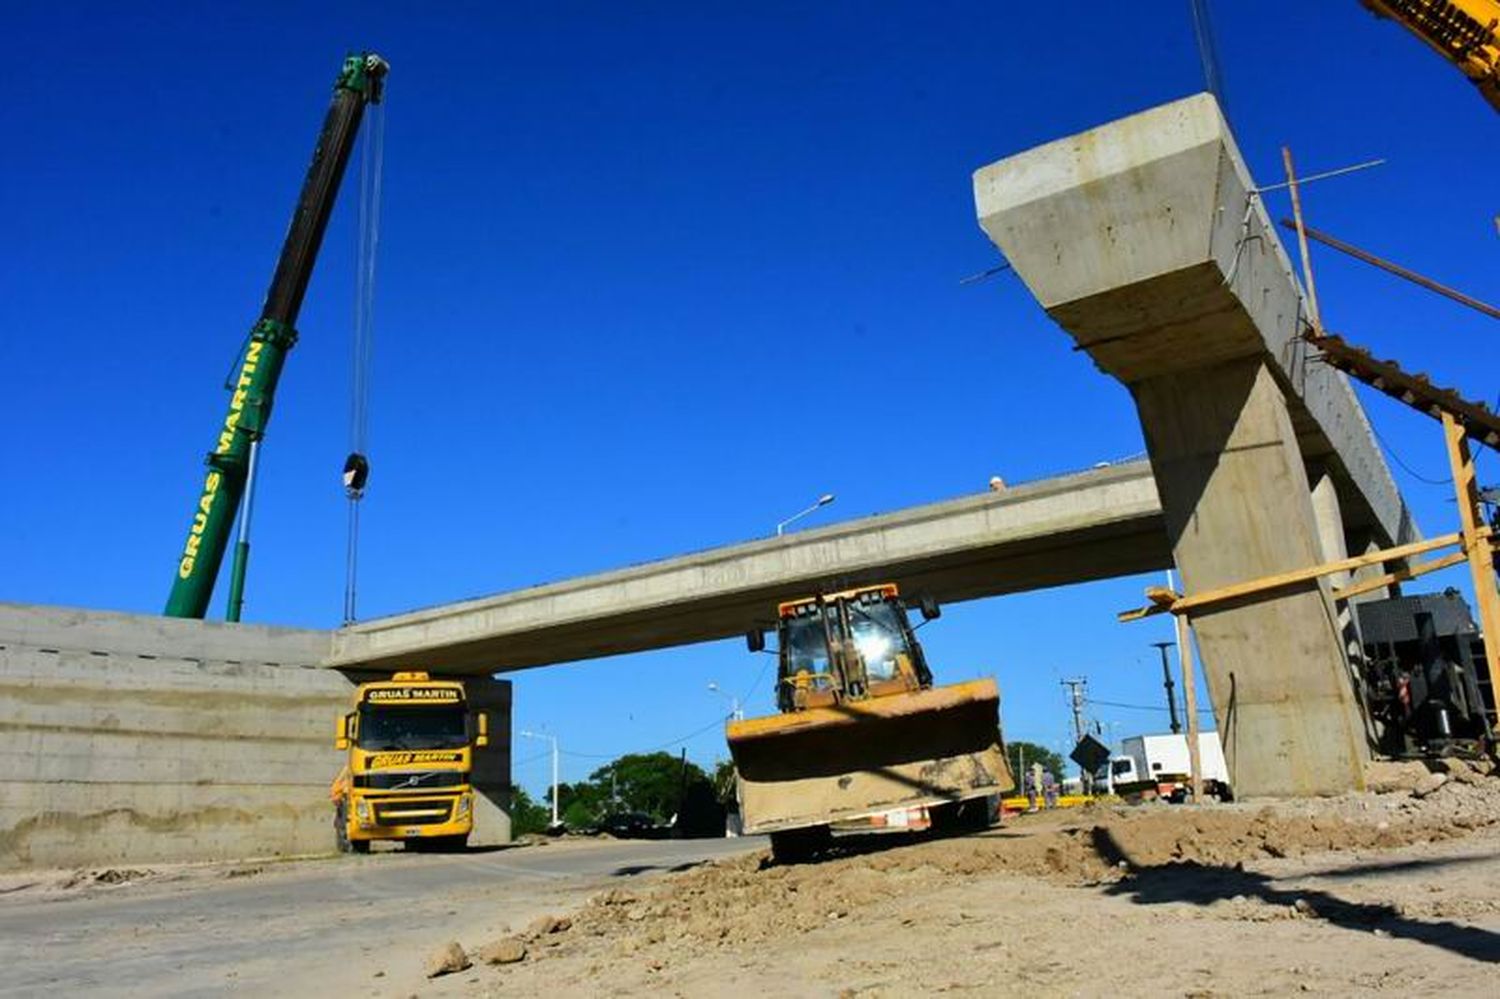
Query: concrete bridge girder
x,y
1090,525
1146,241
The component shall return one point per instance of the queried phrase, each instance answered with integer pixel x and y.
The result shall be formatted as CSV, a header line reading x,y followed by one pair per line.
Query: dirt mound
x,y
749,900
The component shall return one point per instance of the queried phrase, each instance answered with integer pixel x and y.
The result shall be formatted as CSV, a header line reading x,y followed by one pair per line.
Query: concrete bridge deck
x,y
1091,525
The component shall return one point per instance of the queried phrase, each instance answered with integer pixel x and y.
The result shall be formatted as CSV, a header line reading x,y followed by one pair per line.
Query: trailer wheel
x,y
797,846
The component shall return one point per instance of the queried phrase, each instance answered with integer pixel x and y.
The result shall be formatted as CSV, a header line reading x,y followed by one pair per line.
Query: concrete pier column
x,y
1238,506
1330,521
491,773
1146,240
1334,541
1364,544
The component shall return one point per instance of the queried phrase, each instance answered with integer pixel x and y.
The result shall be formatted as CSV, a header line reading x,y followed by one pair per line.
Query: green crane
x,y
231,465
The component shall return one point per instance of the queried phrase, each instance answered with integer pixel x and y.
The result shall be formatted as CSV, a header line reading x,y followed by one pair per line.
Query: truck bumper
x,y
416,817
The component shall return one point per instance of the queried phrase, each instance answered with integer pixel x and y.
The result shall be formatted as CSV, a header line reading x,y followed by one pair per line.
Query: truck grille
x,y
416,781
413,813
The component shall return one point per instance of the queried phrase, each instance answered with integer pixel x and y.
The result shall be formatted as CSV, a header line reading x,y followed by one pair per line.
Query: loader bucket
x,y
824,765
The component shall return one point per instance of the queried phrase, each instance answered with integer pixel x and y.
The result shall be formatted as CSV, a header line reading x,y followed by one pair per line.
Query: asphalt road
x,y
346,925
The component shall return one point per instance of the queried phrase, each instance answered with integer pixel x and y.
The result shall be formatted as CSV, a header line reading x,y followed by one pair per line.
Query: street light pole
x,y
734,702
823,500
552,739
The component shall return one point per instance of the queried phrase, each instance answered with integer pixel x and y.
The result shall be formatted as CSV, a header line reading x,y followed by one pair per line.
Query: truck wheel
x,y
797,846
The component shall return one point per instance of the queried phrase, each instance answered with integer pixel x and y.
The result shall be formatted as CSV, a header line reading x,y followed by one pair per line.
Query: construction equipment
x,y
1423,676
231,464
862,730
1462,31
410,742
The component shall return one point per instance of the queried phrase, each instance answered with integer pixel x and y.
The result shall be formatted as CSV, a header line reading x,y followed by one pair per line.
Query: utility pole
x,y
1076,689
1166,679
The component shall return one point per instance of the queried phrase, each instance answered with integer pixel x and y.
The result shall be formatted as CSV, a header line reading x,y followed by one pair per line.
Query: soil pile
x,y
748,900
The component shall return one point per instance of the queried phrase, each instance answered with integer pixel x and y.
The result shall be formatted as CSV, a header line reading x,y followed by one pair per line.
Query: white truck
x,y
1157,766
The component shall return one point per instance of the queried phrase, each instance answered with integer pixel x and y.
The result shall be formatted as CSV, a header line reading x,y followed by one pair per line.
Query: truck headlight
x,y
464,803
362,811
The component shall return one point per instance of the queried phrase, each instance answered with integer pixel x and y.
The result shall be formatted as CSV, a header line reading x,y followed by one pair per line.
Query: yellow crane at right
x,y
1465,32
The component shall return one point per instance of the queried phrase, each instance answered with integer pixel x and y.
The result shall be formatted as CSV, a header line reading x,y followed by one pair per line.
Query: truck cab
x,y
409,743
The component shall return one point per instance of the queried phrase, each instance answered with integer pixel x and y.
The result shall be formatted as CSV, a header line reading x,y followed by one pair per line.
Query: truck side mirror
x,y
341,732
482,724
755,641
930,609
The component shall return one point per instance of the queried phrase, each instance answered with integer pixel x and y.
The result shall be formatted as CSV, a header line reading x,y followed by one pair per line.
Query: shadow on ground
x,y
631,870
1204,884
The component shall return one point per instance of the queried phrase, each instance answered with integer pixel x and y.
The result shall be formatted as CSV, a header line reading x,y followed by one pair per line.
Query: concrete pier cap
x,y
1148,242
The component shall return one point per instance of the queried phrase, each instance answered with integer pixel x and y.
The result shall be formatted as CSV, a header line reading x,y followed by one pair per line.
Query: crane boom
x,y
231,464
1462,31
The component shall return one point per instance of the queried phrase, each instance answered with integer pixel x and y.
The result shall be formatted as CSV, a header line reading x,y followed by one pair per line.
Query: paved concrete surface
x,y
1145,240
1090,525
305,928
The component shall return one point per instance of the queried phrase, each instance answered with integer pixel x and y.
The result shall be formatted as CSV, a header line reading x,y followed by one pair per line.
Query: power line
x,y
1139,707
1409,470
665,745
531,759
679,740
755,686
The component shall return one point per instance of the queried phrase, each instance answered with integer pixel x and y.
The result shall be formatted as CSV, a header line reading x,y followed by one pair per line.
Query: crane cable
x,y
1208,53
357,465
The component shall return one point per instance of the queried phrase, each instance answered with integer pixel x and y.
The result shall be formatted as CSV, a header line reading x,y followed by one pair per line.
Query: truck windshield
x,y
385,728
806,645
879,636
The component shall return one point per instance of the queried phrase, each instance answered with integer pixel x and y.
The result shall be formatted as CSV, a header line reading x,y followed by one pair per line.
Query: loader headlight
x,y
464,803
362,812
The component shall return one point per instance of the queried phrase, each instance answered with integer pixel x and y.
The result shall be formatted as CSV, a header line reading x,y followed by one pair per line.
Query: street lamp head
x,y
825,499
713,686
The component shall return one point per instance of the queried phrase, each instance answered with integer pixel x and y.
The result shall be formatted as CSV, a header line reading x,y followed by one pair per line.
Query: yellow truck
x,y
410,742
862,730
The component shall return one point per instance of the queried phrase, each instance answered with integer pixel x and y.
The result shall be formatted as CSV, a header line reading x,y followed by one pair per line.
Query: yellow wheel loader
x,y
862,730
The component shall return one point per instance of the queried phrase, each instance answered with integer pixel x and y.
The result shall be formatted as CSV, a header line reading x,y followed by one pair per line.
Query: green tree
x,y
1023,754
582,804
651,783
724,782
646,782
526,816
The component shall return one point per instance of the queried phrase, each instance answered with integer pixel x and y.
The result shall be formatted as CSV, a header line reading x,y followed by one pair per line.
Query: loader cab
x,y
846,647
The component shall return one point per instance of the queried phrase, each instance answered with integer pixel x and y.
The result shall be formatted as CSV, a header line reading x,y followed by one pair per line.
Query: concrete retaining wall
x,y
138,739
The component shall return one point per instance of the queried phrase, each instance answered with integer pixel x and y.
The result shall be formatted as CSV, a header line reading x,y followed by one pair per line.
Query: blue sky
x,y
624,247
